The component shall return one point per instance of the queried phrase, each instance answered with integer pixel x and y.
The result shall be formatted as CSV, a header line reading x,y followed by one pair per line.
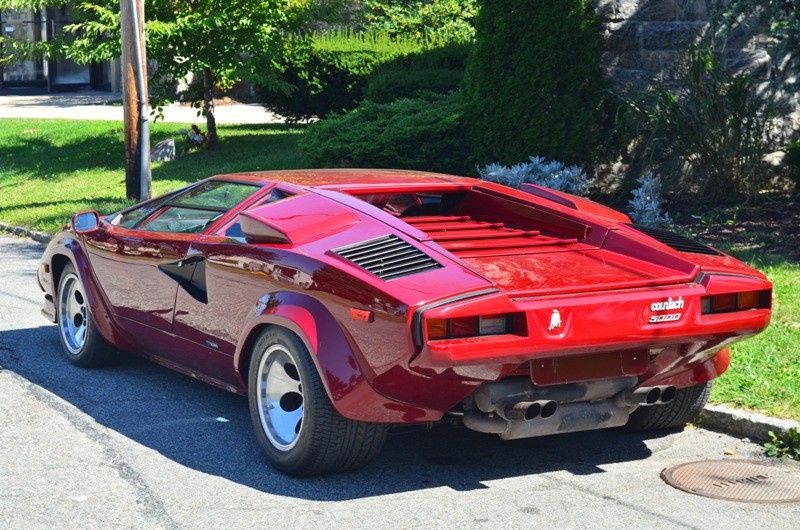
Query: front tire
x,y
295,423
83,344
685,408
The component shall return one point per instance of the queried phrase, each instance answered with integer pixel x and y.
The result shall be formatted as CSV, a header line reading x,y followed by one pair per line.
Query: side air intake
x,y
676,241
388,257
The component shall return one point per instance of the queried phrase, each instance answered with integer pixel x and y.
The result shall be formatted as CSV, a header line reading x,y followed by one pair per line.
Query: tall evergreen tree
x,y
534,82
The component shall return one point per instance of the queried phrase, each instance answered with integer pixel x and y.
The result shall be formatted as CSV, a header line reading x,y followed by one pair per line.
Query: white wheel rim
x,y
280,397
72,314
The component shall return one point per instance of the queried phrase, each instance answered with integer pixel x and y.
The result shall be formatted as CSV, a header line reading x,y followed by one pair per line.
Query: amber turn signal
x,y
362,315
729,302
437,328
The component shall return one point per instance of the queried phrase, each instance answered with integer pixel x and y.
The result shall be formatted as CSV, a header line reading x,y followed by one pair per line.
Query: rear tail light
x,y
437,328
729,302
492,325
462,327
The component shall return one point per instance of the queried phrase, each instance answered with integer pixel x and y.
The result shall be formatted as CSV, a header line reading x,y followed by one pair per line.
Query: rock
x,y
163,151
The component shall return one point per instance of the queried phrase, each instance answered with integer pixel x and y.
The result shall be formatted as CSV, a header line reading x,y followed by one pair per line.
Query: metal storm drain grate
x,y
736,480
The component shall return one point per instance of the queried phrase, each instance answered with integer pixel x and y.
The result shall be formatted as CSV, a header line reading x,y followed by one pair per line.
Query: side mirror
x,y
85,222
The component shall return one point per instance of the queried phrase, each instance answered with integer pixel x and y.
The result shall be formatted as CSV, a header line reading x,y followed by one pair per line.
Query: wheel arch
x,y
57,265
69,251
333,353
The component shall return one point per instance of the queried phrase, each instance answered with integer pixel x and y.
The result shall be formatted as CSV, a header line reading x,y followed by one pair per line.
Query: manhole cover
x,y
736,480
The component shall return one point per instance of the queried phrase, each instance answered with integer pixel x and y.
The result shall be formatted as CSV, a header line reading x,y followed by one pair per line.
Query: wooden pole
x,y
132,115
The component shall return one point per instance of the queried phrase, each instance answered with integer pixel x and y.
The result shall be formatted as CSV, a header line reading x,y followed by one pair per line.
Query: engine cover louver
x,y
677,241
388,257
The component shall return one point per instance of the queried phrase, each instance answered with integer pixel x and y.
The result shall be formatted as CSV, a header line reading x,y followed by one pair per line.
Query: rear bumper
x,y
600,335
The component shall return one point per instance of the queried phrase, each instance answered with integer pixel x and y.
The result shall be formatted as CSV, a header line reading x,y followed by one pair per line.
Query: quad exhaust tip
x,y
648,395
528,410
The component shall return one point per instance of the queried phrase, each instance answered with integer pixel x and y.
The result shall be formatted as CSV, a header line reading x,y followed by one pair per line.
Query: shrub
x,y
391,85
553,175
534,81
424,133
712,131
645,207
435,22
439,70
328,72
792,161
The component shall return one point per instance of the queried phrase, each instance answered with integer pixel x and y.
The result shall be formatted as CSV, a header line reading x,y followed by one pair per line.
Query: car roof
x,y
350,180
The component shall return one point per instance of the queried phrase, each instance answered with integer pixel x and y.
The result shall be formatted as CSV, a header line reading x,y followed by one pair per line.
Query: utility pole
x,y
134,100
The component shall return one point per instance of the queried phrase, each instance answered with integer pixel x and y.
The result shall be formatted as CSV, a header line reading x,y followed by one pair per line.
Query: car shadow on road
x,y
209,430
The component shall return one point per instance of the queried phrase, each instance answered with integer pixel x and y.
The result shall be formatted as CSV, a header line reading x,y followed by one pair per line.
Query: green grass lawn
x,y
51,168
765,371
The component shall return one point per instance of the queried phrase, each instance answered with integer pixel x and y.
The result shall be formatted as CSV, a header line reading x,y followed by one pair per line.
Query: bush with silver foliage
x,y
550,174
645,207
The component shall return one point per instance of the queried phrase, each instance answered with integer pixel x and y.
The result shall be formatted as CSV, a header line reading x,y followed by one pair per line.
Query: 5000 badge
x,y
670,317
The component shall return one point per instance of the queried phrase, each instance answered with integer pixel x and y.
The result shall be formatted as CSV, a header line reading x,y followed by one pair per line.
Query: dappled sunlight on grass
x,y
50,169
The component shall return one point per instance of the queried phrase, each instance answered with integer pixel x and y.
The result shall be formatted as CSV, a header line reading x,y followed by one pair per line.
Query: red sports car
x,y
344,301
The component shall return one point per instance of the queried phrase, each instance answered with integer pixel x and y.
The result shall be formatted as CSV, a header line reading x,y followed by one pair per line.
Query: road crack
x,y
154,507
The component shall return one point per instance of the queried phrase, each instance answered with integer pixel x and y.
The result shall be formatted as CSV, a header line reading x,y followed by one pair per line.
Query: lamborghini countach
x,y
343,302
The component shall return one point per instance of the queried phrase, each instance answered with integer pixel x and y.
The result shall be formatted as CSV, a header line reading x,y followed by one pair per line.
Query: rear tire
x,y
83,344
295,423
685,408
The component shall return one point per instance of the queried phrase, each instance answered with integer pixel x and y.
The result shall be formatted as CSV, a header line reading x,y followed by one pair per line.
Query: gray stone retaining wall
x,y
646,40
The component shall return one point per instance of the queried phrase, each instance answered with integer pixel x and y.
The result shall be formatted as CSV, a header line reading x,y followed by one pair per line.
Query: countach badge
x,y
669,304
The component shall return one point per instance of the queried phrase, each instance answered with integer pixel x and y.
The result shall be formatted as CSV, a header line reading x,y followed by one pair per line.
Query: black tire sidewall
x,y
315,400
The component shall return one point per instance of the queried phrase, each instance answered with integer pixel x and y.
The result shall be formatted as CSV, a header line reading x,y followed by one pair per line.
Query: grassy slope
x,y
51,168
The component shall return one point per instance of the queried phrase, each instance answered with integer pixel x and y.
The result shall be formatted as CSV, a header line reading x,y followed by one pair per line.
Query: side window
x,y
189,211
181,220
235,230
131,218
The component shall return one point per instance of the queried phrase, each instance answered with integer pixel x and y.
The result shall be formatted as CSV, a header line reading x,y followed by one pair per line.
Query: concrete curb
x,y
714,417
39,237
744,424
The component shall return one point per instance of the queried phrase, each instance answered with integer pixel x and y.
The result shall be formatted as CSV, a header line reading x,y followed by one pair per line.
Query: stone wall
x,y
645,40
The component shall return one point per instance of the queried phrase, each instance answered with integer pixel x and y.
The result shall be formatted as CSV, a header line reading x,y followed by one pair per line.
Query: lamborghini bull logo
x,y
555,320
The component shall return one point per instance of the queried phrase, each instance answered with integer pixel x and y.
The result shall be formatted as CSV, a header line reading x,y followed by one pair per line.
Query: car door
x,y
225,286
140,260
126,263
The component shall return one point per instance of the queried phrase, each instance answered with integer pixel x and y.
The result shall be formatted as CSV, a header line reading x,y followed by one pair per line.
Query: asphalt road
x,y
138,446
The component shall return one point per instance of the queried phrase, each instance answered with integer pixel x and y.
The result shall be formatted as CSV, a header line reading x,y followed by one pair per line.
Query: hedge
x,y
424,133
534,82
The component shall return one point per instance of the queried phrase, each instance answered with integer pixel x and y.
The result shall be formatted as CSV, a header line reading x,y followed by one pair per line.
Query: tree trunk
x,y
130,96
208,109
